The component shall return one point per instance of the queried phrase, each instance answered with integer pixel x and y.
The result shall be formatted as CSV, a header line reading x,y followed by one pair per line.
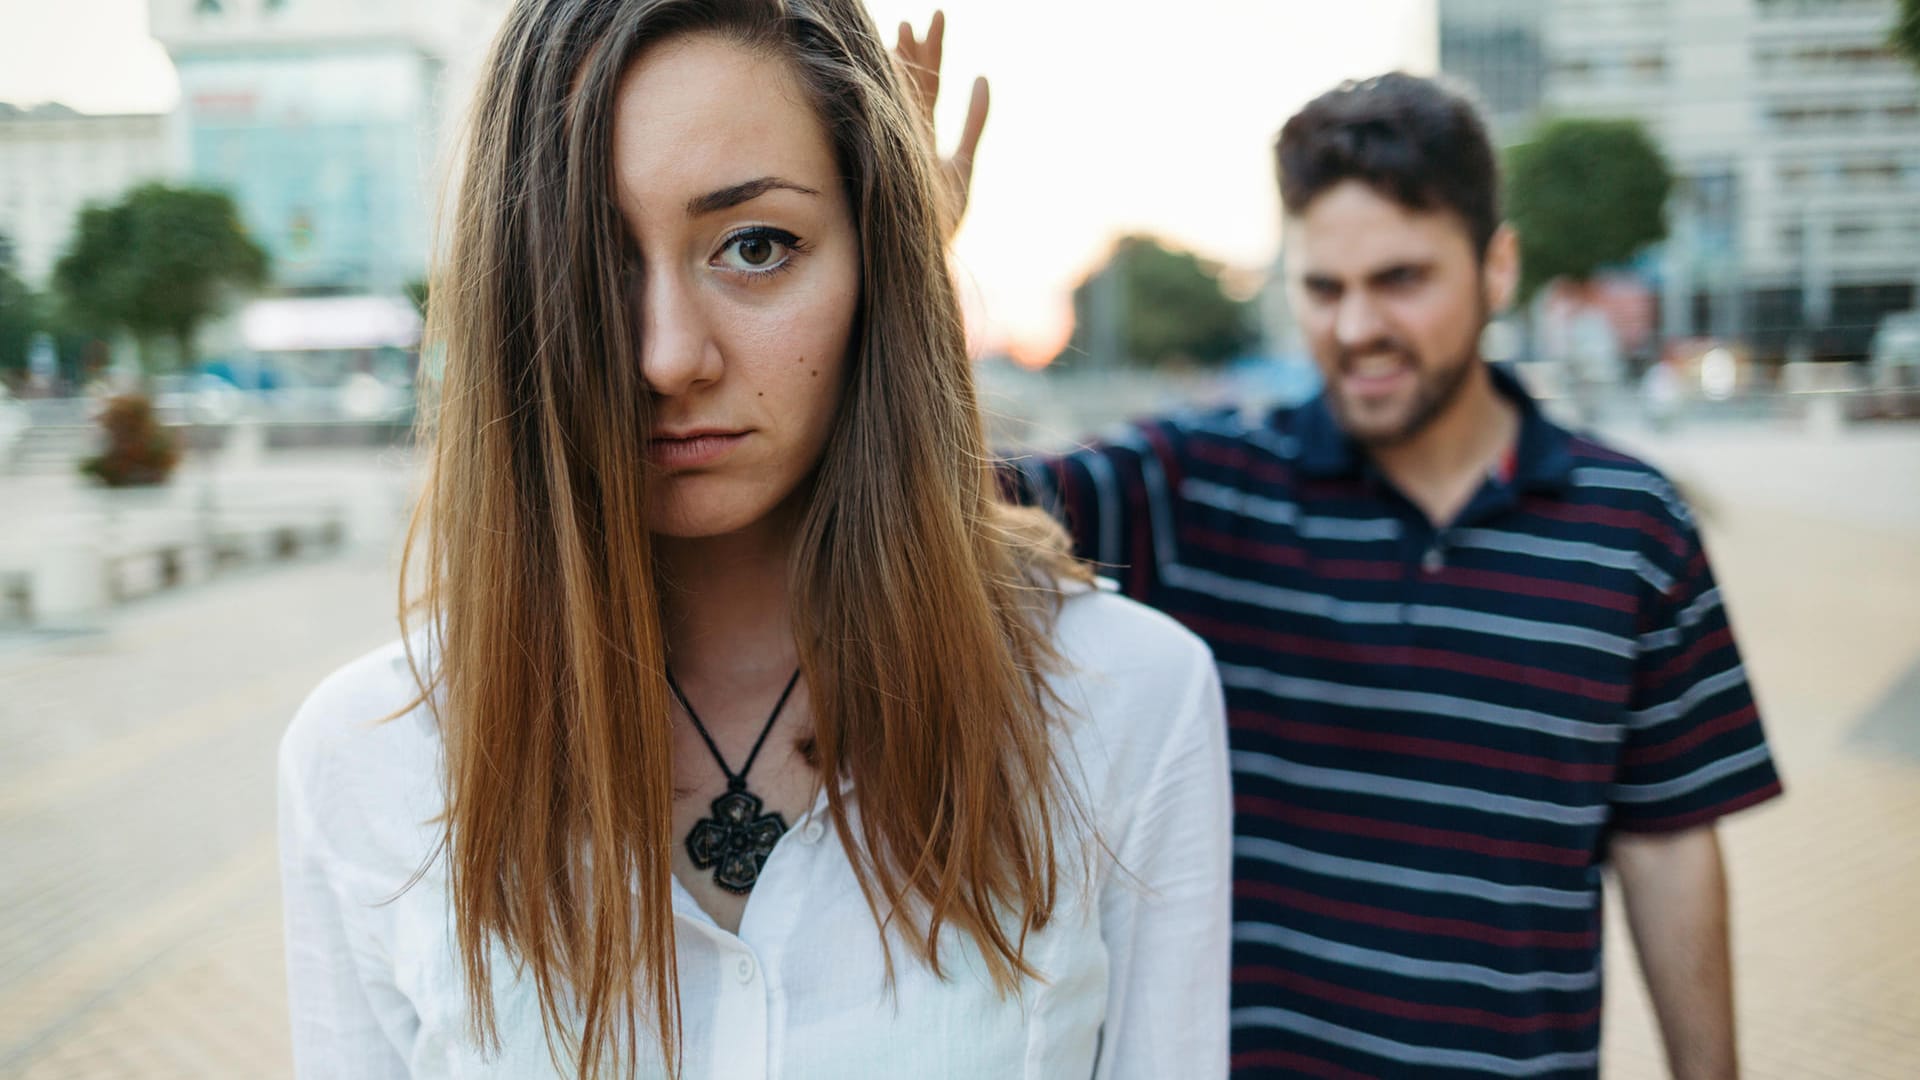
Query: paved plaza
x,y
141,934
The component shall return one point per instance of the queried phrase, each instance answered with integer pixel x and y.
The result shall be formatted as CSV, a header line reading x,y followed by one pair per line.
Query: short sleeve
x,y
1694,748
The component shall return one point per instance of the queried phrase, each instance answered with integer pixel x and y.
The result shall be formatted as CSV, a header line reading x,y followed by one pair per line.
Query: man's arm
x,y
1112,499
1675,887
1694,752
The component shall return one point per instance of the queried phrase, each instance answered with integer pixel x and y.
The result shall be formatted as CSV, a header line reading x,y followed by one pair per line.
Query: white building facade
x,y
325,120
54,161
1794,132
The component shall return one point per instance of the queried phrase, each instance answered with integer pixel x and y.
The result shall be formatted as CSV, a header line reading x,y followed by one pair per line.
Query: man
x,y
1470,658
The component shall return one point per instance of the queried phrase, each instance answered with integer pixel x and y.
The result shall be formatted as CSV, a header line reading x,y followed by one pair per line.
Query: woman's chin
x,y
707,519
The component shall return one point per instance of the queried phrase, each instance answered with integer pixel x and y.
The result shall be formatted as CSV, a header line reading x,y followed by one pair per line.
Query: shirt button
x,y
813,832
1434,560
746,969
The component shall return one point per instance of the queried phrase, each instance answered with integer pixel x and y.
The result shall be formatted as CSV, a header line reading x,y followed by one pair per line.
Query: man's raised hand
x,y
920,60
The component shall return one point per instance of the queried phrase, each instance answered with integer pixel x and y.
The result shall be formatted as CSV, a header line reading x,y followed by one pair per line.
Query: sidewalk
x,y
137,822
136,791
1824,881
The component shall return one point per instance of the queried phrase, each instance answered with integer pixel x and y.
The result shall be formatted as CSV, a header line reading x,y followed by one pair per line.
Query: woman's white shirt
x,y
1136,964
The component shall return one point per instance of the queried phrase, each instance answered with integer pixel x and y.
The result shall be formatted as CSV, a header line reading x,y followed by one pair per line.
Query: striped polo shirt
x,y
1434,730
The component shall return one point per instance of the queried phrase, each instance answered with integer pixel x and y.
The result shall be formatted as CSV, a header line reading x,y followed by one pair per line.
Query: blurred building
x,y
324,119
1793,129
1497,47
53,161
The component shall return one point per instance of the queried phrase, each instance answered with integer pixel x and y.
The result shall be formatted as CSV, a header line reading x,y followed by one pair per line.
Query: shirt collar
x,y
1543,459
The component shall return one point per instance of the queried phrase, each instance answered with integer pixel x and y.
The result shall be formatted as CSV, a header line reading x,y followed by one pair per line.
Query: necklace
x,y
736,838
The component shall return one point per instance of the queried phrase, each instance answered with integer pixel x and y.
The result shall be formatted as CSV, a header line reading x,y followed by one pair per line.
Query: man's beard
x,y
1435,391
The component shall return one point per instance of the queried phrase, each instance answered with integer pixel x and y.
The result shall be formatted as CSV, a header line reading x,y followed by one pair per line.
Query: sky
x,y
1108,117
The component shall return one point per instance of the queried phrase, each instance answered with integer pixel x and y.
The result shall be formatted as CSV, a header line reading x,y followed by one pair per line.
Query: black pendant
x,y
735,841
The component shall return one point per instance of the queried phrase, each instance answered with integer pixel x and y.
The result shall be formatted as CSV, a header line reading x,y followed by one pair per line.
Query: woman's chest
x,y
800,992
726,825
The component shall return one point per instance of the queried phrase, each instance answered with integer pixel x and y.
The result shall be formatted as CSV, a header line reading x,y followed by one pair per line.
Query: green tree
x,y
418,290
1905,37
1583,195
159,263
1152,304
20,316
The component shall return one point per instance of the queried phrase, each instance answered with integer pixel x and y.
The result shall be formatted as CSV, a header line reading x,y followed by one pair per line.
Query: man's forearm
x,y
1675,889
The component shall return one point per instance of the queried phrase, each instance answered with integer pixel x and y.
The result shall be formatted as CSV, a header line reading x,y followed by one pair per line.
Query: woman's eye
x,y
758,251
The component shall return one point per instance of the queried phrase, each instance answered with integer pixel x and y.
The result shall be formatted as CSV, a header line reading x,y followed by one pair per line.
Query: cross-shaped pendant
x,y
735,840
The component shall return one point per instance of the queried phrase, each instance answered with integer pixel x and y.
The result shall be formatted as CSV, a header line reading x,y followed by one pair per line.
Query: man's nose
x,y
1357,322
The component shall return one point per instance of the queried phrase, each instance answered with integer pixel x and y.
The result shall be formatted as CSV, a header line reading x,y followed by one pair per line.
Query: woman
x,y
746,732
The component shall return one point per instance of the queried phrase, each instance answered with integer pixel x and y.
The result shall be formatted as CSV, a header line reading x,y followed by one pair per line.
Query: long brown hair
x,y
923,605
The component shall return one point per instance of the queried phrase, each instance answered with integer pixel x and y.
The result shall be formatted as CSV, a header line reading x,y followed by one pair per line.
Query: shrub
x,y
138,450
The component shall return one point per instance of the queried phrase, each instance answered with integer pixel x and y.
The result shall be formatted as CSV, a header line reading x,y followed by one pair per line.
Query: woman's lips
x,y
693,451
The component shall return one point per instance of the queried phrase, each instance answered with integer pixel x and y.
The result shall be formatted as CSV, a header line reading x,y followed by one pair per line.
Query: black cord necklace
x,y
736,838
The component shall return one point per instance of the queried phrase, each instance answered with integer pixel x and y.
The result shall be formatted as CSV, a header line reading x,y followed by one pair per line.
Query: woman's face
x,y
747,280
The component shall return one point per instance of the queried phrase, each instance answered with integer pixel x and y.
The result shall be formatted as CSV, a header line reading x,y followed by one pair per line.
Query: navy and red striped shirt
x,y
1434,730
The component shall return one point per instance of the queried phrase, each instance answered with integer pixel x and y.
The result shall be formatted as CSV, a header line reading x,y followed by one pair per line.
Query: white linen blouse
x,y
1135,964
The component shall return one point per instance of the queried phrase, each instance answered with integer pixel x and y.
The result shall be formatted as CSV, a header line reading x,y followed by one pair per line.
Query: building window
x,y
1871,173
1865,305
1853,236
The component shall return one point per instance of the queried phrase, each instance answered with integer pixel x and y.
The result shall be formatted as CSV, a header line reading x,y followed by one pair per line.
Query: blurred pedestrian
x,y
1470,658
743,728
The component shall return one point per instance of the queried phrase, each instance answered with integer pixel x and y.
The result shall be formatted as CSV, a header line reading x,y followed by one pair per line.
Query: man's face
x,y
1392,302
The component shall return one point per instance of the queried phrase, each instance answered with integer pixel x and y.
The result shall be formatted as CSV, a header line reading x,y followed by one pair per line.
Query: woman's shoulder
x,y
359,697
1100,631
1145,702
1138,674
360,741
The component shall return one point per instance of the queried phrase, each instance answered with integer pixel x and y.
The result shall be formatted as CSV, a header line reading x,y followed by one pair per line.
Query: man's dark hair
x,y
1419,142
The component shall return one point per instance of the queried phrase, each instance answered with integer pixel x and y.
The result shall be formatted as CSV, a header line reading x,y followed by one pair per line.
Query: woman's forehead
x,y
698,114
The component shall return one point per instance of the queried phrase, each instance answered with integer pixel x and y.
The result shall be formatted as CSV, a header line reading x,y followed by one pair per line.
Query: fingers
x,y
921,58
936,40
976,122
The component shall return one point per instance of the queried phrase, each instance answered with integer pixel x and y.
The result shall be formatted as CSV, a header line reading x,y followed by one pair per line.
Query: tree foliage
x,y
159,263
418,290
20,316
1583,195
1153,304
1905,37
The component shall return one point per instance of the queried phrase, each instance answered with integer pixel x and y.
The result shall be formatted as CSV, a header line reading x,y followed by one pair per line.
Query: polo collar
x,y
1543,457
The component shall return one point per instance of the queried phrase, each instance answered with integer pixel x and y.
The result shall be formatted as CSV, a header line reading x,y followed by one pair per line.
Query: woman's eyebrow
x,y
729,197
